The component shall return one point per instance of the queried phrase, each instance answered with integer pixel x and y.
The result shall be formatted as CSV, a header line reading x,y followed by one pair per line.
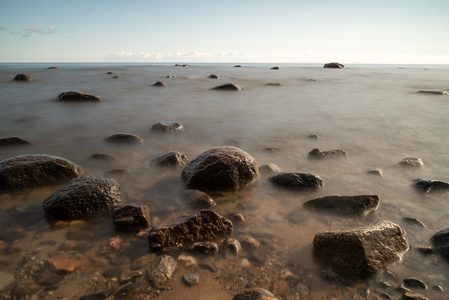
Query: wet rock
x,y
254,294
98,296
118,171
275,68
334,65
209,265
130,275
172,159
302,289
204,248
229,87
102,156
16,247
23,77
434,92
438,288
119,260
411,162
236,218
111,245
168,126
75,246
231,247
170,76
143,262
13,141
65,265
131,217
162,270
52,68
330,154
441,241
13,233
314,136
297,181
375,171
207,225
34,170
74,96
249,243
359,205
424,250
80,235
413,296
198,199
362,250
115,77
415,283
237,66
191,279
273,84
329,275
269,169
427,185
124,138
213,76
272,149
221,168
160,83
83,196
187,260
113,273
414,221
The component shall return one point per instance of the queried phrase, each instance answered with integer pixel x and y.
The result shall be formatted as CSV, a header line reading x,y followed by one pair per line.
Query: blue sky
x,y
315,31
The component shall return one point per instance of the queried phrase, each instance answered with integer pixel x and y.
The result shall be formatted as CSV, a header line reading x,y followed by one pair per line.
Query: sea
x,y
375,113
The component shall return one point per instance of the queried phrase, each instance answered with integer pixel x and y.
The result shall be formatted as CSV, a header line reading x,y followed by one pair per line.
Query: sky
x,y
251,31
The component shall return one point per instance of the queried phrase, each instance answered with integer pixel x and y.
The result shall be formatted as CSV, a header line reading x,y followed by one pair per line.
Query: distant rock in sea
x,y
124,138
168,126
23,77
435,92
237,66
74,96
213,76
229,87
334,65
13,141
52,68
160,83
275,68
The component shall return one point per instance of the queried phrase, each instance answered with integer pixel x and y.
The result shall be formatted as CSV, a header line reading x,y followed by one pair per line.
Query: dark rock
x,y
362,250
198,199
119,171
424,250
213,76
162,270
204,248
329,275
375,171
13,141
23,77
102,156
221,168
359,205
131,217
109,73
275,68
172,159
170,76
34,170
52,68
237,66
415,283
191,279
314,136
169,126
98,296
334,65
269,169
297,181
115,77
160,83
441,241
411,162
229,87
317,154
438,288
113,273
83,196
236,217
272,149
254,294
427,185
78,97
231,246
413,296
207,225
273,84
434,92
124,138
209,265
413,221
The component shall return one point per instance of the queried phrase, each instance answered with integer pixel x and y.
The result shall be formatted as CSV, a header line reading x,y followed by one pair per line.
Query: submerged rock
x,y
411,162
198,199
213,76
427,185
317,154
83,196
297,181
13,141
191,279
441,241
255,294
275,68
124,138
102,156
207,225
229,87
162,270
34,170
334,65
221,168
170,159
131,217
78,97
413,296
23,77
204,248
359,205
362,250
65,265
435,92
269,169
160,83
169,126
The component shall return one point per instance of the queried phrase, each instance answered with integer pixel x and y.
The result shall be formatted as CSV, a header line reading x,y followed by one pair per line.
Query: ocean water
x,y
373,112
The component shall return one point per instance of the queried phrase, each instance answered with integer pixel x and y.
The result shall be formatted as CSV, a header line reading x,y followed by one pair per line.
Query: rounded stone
x,y
255,294
297,181
269,169
414,162
74,96
160,83
124,138
213,76
170,159
23,77
334,65
168,126
191,279
221,168
13,141
229,87
83,196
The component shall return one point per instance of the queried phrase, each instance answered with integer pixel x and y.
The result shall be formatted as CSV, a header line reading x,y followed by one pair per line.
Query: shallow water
x,y
373,112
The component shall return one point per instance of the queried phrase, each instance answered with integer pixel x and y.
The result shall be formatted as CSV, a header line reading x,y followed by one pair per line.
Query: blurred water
x,y
373,112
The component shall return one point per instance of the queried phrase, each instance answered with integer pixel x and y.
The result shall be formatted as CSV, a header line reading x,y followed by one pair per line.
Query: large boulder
x,y
172,159
34,170
83,196
441,241
359,205
362,250
297,181
428,185
23,77
207,225
334,65
221,168
74,96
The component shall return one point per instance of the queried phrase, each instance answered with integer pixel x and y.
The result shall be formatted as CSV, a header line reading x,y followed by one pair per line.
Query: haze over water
x,y
373,112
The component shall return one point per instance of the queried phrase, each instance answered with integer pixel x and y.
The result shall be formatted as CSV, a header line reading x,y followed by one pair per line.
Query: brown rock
x,y
131,217
124,138
172,159
78,97
66,265
334,65
412,162
168,126
160,83
413,296
229,87
23,77
254,294
297,181
198,199
317,154
207,225
359,205
13,141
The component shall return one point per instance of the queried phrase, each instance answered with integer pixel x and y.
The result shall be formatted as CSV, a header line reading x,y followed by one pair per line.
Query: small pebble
x,y
191,279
